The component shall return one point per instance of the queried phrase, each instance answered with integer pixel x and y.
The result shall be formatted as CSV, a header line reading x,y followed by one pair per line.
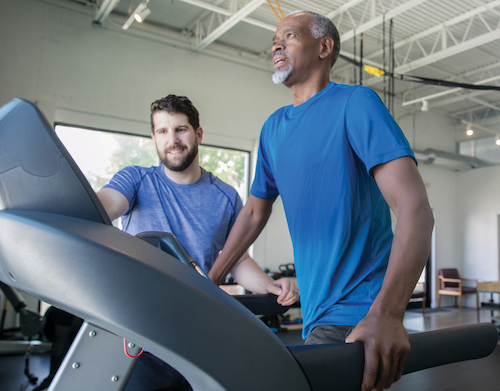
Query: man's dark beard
x,y
184,163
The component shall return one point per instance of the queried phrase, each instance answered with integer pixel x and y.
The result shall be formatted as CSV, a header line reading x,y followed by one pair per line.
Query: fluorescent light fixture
x,y
140,8
142,15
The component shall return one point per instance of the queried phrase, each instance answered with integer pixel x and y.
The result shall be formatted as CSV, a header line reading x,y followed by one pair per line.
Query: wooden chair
x,y
419,294
451,284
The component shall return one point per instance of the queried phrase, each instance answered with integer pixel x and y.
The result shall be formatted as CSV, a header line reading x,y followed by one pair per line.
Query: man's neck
x,y
302,92
190,175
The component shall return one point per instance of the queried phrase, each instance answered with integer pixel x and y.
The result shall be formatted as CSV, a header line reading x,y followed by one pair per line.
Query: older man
x,y
339,161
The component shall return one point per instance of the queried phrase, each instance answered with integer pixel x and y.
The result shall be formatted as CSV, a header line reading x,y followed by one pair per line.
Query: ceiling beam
x,y
380,19
477,125
343,8
104,10
484,103
441,55
246,10
225,12
451,22
451,51
445,53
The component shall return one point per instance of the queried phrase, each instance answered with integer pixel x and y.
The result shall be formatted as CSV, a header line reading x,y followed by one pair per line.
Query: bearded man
x,y
180,197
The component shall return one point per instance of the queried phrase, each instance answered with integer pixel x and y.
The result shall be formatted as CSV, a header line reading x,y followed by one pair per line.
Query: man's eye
x,y
290,35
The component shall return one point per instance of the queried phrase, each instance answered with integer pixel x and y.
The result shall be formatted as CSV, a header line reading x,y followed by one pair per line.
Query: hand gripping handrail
x,y
341,365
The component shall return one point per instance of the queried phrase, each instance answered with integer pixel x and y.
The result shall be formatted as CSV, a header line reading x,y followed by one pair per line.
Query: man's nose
x,y
172,138
277,45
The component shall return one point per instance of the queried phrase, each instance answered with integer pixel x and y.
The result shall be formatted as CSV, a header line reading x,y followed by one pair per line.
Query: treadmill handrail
x,y
345,362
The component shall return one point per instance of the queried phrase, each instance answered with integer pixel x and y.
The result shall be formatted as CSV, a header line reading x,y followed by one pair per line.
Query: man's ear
x,y
326,47
199,134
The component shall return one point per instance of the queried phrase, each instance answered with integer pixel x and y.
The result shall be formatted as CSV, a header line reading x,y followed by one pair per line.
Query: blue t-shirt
x,y
200,215
318,157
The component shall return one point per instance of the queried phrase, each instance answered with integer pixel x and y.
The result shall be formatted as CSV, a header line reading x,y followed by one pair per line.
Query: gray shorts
x,y
327,333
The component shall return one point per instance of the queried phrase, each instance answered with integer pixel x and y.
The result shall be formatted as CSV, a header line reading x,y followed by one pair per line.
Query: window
x,y
230,165
100,154
481,148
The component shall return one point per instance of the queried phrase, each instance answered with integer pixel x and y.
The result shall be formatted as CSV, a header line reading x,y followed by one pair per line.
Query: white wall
x,y
464,203
432,130
478,234
428,130
106,78
441,185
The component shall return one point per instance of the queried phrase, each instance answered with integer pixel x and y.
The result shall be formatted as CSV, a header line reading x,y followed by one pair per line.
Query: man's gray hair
x,y
323,27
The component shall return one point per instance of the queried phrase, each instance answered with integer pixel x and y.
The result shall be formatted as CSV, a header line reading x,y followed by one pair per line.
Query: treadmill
x,y
58,245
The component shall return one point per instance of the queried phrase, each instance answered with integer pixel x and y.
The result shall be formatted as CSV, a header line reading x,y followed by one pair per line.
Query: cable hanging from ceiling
x,y
280,16
390,76
419,79
388,90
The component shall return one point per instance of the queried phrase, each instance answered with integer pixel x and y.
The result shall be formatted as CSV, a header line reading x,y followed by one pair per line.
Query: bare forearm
x,y
115,204
250,222
382,331
404,190
409,253
248,274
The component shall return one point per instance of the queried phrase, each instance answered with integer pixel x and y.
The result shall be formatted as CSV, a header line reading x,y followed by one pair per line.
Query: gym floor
x,y
476,375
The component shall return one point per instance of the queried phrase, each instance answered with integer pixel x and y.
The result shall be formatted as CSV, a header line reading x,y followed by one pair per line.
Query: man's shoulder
x,y
355,90
138,171
131,176
221,187
219,183
281,111
348,89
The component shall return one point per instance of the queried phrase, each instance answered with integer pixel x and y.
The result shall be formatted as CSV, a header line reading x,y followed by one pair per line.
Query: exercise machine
x,y
57,244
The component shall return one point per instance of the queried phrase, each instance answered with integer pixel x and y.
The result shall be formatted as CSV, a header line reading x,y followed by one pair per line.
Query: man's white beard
x,y
280,76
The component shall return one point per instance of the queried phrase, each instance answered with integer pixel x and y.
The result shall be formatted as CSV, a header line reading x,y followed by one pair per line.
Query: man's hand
x,y
387,347
285,289
250,276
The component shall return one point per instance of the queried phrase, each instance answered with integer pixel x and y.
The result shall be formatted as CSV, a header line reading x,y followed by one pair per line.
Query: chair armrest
x,y
458,280
455,280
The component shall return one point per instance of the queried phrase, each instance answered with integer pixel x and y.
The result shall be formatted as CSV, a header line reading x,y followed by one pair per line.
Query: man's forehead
x,y
292,23
164,116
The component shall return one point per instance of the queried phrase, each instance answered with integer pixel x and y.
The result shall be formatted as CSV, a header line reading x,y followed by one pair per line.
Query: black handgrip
x,y
13,296
259,304
340,366
447,346
262,304
169,243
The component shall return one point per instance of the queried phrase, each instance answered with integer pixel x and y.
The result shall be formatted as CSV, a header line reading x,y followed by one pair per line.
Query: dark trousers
x,y
327,333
